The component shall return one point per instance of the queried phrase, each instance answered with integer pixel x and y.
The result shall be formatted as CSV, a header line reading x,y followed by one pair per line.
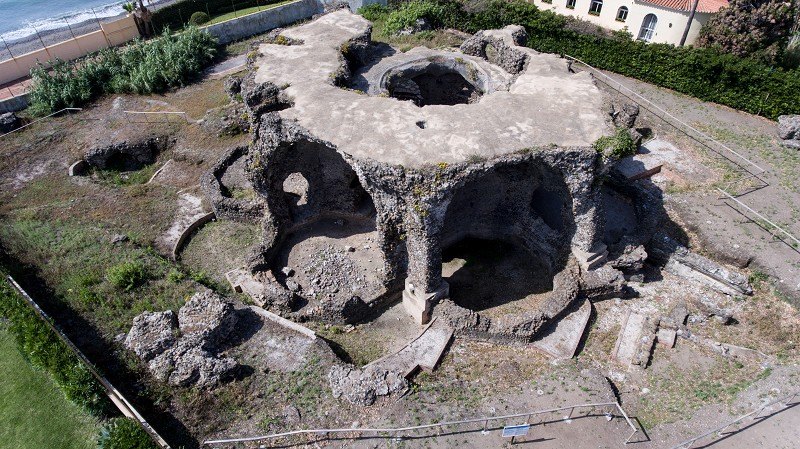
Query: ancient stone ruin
x,y
468,184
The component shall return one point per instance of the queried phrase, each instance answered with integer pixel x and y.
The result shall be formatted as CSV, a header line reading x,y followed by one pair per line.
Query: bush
x,y
199,18
140,67
124,433
44,350
127,275
619,145
741,83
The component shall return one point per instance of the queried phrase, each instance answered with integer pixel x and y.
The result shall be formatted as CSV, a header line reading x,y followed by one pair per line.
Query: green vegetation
x,y
618,146
746,84
34,413
44,350
246,11
141,67
179,14
107,284
126,275
124,433
199,18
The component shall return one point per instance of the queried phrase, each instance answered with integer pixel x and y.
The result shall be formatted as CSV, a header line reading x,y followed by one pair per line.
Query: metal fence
x,y
407,432
785,403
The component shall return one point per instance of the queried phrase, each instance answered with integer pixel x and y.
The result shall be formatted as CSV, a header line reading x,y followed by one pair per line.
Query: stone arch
x,y
514,219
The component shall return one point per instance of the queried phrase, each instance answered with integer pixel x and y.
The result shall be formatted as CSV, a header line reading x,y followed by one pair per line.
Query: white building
x,y
661,21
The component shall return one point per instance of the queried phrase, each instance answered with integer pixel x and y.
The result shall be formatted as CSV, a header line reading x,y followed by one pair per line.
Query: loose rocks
x,y
203,323
789,130
9,122
362,387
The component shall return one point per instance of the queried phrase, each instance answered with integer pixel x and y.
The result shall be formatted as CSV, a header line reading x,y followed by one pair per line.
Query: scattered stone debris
x,y
9,122
181,349
789,130
362,387
682,262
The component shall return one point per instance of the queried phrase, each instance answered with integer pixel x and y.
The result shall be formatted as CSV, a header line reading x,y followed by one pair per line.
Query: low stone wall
x,y
252,24
14,104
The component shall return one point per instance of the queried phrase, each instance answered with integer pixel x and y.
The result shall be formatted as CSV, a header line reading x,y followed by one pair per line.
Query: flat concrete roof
x,y
544,105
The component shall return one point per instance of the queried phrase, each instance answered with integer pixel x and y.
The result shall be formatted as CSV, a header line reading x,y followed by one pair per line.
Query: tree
x,y
760,28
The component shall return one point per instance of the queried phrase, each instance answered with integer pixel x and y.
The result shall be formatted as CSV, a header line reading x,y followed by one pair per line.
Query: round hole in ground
x,y
434,84
494,277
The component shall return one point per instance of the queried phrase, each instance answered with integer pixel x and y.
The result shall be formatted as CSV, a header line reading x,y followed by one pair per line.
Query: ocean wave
x,y
54,23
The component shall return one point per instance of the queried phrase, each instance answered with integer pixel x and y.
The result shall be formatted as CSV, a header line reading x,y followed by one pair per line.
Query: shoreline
x,y
53,36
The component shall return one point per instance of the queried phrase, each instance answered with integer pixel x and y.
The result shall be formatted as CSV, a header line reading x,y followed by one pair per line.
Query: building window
x,y
595,7
571,4
648,27
547,1
622,14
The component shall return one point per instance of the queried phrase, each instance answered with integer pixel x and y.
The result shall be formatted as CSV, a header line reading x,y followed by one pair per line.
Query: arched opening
x,y
622,14
648,29
315,181
506,233
595,7
330,257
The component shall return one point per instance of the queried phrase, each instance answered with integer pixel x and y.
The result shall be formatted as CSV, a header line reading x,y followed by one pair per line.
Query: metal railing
x,y
41,119
165,114
784,401
125,407
395,432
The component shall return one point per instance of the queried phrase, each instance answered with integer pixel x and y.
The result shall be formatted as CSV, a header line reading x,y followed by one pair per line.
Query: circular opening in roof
x,y
435,81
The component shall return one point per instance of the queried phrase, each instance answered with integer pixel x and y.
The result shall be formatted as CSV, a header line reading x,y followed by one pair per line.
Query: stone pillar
x,y
424,285
587,245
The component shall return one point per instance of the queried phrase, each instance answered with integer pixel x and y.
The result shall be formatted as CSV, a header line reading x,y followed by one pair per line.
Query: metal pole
x,y
42,41
97,19
234,10
73,35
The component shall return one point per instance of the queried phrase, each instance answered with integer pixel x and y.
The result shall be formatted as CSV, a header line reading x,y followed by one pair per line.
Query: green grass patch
x,y
34,413
246,11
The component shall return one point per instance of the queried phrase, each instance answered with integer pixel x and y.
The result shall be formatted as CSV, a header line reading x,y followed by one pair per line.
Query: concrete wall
x,y
355,4
14,104
260,22
111,34
669,29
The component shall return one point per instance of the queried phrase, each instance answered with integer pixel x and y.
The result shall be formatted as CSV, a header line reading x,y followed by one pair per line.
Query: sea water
x,y
21,18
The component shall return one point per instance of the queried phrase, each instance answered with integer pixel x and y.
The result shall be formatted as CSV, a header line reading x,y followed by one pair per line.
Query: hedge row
x,y
741,83
176,15
42,347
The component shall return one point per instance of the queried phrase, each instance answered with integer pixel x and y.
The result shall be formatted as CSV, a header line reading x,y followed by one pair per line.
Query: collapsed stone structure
x,y
182,349
428,149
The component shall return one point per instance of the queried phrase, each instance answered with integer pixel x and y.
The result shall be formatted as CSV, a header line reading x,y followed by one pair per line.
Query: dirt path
x,y
690,183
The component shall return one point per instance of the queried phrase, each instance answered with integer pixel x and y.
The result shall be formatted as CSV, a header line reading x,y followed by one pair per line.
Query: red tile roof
x,y
704,6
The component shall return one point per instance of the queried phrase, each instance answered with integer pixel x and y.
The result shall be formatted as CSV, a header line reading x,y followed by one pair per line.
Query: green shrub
x,y
44,350
127,275
746,84
141,67
199,18
124,433
619,145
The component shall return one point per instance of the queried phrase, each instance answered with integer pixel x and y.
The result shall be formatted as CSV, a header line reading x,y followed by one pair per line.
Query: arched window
x,y
595,7
622,14
648,27
571,4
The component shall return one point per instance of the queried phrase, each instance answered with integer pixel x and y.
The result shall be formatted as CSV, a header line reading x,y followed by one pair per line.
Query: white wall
x,y
669,29
112,34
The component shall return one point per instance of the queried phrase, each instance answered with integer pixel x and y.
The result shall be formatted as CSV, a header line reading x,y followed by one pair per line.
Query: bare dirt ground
x,y
692,174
